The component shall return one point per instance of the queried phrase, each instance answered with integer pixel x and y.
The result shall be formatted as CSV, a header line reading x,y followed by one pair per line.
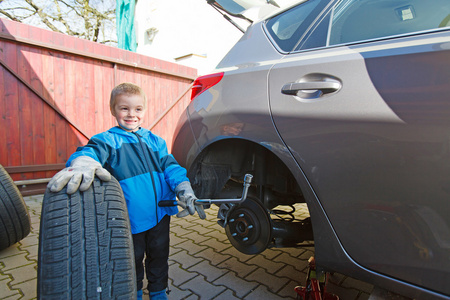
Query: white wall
x,y
185,27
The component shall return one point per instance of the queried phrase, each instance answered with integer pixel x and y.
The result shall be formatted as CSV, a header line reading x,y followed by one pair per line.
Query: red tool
x,y
315,288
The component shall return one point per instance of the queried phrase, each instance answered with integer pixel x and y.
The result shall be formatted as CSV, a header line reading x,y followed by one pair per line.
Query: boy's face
x,y
129,111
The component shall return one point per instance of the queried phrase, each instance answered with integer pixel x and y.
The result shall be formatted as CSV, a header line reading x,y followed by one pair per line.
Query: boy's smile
x,y
129,111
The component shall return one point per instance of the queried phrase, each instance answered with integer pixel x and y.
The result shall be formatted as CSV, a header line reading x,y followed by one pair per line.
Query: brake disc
x,y
249,227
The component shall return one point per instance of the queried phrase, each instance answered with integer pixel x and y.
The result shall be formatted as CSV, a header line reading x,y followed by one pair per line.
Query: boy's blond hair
x,y
126,88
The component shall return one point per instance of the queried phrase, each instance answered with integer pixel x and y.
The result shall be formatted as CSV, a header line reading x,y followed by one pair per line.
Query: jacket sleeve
x,y
96,148
174,174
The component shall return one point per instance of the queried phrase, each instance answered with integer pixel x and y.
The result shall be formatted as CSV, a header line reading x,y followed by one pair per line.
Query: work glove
x,y
80,174
187,199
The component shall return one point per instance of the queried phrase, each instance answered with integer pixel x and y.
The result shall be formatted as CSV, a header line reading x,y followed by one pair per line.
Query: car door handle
x,y
325,87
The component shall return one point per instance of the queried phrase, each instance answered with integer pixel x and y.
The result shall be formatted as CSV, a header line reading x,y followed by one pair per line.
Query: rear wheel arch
x,y
219,169
267,217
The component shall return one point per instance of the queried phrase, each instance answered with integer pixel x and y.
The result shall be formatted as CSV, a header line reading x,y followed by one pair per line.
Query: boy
x,y
147,173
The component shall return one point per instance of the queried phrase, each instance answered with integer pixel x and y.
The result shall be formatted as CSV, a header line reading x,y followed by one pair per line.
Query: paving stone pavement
x,y
203,265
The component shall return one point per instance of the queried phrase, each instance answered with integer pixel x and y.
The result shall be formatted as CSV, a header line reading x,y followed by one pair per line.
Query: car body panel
x,y
209,113
367,139
354,150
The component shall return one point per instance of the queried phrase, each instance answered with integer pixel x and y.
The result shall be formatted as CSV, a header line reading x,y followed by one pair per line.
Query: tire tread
x,y
15,222
89,225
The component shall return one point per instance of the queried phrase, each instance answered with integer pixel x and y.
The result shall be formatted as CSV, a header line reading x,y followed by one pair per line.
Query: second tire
x,y
14,218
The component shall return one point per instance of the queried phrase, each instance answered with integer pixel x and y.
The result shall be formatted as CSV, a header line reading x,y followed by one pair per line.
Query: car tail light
x,y
203,83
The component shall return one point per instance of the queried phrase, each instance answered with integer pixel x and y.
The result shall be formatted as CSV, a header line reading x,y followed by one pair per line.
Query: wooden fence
x,y
54,95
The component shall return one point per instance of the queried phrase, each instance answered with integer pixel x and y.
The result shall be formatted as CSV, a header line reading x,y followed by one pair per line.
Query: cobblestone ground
x,y
203,265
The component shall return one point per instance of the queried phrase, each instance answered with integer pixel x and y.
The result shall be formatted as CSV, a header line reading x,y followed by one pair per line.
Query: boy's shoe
x,y
161,295
139,295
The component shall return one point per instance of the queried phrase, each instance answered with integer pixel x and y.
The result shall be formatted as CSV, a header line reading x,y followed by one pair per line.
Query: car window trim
x,y
406,35
389,37
320,18
322,6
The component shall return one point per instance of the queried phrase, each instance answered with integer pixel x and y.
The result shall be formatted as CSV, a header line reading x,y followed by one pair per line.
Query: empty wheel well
x,y
219,171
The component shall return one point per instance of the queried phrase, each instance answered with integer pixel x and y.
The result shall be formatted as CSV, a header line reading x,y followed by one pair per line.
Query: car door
x,y
363,105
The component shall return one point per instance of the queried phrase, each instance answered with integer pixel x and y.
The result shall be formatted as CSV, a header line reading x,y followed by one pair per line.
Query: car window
x,y
358,20
317,36
287,28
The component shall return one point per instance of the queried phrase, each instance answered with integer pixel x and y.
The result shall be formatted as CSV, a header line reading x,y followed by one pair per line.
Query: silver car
x,y
343,105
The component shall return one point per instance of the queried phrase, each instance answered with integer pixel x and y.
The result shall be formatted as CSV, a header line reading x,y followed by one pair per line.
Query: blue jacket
x,y
145,170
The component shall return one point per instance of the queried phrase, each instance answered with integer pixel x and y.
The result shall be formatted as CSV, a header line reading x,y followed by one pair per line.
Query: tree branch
x,y
73,17
9,16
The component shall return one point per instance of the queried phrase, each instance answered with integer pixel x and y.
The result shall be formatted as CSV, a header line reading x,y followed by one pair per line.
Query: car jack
x,y
315,288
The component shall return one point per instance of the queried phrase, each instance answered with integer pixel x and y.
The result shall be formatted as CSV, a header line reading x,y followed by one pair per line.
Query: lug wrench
x,y
247,181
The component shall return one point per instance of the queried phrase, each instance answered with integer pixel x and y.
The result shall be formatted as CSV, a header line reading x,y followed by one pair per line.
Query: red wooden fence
x,y
54,95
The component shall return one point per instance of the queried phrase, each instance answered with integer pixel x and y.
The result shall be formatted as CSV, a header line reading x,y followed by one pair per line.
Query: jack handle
x,y
247,181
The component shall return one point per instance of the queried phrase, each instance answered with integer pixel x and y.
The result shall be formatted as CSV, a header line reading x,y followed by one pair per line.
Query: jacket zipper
x,y
151,173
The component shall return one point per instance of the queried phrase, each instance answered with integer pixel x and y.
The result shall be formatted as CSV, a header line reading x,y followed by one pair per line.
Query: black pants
x,y
154,244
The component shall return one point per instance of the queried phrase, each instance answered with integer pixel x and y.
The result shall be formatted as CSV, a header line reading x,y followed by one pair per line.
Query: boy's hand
x,y
187,199
80,174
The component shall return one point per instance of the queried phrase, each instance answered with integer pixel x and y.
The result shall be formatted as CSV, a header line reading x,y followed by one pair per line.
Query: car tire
x,y
85,245
14,218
